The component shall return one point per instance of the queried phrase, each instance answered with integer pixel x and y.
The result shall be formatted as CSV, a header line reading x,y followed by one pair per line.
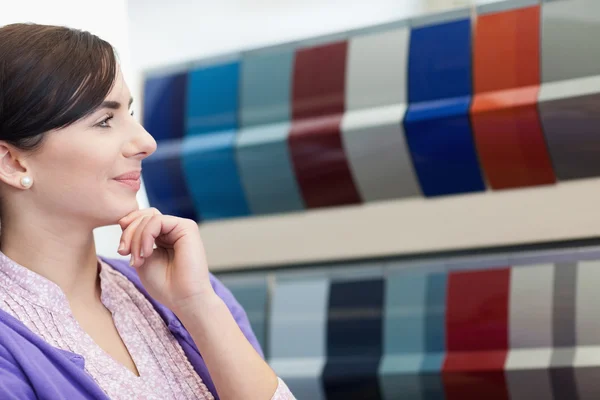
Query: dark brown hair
x,y
50,77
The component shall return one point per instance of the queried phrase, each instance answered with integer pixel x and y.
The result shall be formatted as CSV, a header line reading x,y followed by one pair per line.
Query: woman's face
x,y
91,169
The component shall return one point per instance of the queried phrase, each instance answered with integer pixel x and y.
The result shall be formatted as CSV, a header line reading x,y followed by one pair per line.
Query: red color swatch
x,y
477,335
315,139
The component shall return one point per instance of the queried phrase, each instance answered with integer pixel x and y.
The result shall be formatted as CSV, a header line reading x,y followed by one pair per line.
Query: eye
x,y
104,122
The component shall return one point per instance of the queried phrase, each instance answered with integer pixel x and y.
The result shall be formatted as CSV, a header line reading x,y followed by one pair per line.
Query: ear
x,y
12,165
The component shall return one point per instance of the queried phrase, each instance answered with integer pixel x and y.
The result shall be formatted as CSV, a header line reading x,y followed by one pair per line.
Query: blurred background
x,y
402,194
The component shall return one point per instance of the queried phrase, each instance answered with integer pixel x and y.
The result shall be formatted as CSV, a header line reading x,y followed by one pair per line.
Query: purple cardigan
x,y
30,368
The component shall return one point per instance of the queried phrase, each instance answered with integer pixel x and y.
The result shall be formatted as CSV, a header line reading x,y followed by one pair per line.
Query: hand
x,y
175,271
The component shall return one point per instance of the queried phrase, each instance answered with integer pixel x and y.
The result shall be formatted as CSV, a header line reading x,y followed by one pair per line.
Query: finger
x,y
126,236
129,218
136,242
164,230
151,231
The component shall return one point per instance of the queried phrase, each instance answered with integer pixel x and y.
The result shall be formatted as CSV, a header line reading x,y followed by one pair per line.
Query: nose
x,y
142,144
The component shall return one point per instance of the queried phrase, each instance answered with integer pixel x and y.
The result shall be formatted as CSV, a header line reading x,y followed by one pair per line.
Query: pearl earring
x,y
26,182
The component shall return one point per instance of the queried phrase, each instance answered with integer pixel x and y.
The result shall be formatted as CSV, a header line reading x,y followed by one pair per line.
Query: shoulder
x,y
30,366
18,351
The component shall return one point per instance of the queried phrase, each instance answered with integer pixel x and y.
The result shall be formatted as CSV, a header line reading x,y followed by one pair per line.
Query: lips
x,y
129,176
130,179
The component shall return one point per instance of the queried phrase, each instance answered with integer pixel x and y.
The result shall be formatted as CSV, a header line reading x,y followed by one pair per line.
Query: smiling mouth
x,y
133,184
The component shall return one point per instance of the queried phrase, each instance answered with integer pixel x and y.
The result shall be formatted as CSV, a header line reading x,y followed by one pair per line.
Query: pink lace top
x,y
164,369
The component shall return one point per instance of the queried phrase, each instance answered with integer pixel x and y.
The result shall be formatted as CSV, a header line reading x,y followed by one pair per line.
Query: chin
x,y
128,208
116,212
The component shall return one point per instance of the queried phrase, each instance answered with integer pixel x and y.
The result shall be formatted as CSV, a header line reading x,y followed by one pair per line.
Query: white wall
x,y
108,20
166,32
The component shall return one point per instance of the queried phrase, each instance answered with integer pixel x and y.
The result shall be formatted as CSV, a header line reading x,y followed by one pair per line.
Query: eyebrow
x,y
114,105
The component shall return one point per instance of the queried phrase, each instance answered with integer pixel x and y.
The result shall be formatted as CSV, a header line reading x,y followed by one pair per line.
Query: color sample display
x,y
587,353
569,100
506,125
165,184
477,334
315,140
435,336
437,125
262,150
504,94
404,336
209,161
461,328
252,295
530,336
354,340
372,127
297,334
164,117
562,374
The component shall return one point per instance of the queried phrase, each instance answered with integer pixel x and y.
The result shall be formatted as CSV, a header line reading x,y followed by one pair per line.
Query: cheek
x,y
72,167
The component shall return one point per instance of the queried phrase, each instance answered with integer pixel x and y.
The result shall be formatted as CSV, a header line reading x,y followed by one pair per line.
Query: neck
x,y
62,252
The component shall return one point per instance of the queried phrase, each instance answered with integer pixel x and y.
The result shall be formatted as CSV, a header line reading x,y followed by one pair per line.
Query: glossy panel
x,y
477,303
320,163
506,124
319,81
530,383
376,102
379,159
266,171
212,176
297,335
376,69
404,335
477,334
164,181
212,99
530,337
514,37
569,46
587,321
442,148
354,340
315,141
164,117
440,69
405,311
253,297
587,355
209,161
432,385
265,87
512,149
564,337
262,155
531,306
571,128
435,321
571,85
164,106
437,123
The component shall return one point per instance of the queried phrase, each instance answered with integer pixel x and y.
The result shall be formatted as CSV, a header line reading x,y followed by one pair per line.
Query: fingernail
x,y
131,261
142,253
121,246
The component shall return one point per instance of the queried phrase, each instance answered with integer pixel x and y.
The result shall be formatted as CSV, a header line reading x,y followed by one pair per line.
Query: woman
x,y
73,325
